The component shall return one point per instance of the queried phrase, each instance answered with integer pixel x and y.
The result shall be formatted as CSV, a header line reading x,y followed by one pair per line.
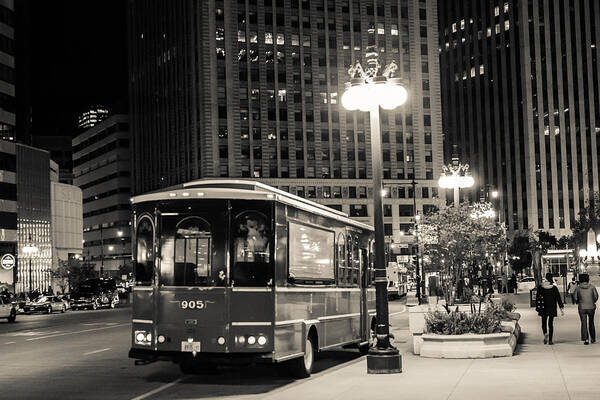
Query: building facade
x,y
7,70
67,224
8,214
60,152
251,89
35,171
101,165
520,95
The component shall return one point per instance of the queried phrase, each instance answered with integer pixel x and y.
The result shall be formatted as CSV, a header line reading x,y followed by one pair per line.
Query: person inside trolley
x,y
252,250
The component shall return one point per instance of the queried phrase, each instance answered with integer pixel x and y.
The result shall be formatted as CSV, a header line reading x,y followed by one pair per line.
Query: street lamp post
x,y
367,91
30,249
101,251
417,266
456,176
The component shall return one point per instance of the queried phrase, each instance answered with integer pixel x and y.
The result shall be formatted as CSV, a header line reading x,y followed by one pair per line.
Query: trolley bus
x,y
230,271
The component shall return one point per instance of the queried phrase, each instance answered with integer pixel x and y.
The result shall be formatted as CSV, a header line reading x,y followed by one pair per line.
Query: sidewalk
x,y
567,370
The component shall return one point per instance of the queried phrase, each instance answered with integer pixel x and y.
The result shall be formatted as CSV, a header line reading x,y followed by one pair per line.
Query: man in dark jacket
x,y
586,296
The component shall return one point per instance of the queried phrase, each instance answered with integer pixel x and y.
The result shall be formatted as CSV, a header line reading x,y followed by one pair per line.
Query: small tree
x,y
519,254
60,275
459,239
70,273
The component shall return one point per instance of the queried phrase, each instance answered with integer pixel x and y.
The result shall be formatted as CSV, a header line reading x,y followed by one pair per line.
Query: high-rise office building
x,y
520,95
101,165
7,70
35,172
92,116
252,88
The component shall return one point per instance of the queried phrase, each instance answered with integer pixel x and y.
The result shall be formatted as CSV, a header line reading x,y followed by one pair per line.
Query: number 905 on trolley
x,y
230,271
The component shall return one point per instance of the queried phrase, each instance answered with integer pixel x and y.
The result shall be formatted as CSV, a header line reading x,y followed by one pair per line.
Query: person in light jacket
x,y
586,296
551,296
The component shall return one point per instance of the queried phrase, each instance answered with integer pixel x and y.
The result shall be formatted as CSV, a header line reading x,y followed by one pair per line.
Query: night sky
x,y
71,54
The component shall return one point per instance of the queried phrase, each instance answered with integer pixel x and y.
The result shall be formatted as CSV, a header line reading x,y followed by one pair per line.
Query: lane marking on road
x,y
10,342
73,333
96,351
32,333
99,323
399,312
158,389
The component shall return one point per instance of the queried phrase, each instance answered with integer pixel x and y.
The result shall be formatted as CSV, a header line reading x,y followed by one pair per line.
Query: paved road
x,y
83,355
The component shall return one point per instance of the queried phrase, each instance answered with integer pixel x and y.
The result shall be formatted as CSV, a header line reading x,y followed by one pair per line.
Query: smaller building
x,y
60,152
101,168
67,224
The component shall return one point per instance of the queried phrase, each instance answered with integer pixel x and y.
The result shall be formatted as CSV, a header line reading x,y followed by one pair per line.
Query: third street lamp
x,y
367,91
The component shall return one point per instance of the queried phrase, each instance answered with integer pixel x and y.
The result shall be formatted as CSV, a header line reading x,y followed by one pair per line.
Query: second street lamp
x,y
367,91
456,176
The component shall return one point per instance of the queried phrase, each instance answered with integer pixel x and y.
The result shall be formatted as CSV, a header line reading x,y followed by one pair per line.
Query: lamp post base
x,y
384,361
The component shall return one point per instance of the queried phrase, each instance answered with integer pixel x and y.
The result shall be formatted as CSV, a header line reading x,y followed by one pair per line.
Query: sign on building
x,y
7,261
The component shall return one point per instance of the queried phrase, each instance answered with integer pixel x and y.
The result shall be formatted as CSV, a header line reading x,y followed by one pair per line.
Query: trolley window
x,y
187,253
144,263
252,249
311,253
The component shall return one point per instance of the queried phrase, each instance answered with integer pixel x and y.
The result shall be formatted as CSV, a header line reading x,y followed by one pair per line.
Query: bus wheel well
x,y
312,333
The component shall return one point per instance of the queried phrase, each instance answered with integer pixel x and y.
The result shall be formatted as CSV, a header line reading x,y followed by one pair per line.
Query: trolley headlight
x,y
161,339
221,340
241,339
251,340
262,340
143,338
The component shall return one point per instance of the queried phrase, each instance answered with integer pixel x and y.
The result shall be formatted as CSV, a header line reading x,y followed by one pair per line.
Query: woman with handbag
x,y
547,298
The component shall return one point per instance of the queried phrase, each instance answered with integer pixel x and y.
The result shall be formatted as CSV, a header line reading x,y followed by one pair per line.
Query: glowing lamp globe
x,y
349,99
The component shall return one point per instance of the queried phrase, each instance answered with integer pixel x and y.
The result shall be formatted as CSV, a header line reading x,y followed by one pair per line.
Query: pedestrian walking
x,y
571,289
547,298
586,296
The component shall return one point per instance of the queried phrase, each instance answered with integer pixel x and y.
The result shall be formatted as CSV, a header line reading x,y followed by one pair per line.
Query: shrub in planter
x,y
458,323
508,305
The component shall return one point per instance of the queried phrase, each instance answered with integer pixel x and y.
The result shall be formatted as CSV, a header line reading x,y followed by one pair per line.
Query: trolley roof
x,y
243,189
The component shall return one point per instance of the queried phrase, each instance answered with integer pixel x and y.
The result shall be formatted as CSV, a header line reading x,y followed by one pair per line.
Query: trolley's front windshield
x,y
196,237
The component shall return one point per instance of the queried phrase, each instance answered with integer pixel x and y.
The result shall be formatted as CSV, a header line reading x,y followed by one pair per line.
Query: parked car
x,y
47,304
7,309
526,284
95,293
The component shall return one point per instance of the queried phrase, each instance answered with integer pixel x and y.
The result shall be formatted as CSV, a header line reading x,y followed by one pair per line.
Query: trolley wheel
x,y
302,367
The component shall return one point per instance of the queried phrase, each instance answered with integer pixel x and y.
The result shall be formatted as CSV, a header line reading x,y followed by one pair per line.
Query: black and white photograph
x,y
299,199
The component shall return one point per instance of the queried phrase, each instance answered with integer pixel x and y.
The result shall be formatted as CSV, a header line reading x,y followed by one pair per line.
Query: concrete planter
x,y
416,319
468,346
